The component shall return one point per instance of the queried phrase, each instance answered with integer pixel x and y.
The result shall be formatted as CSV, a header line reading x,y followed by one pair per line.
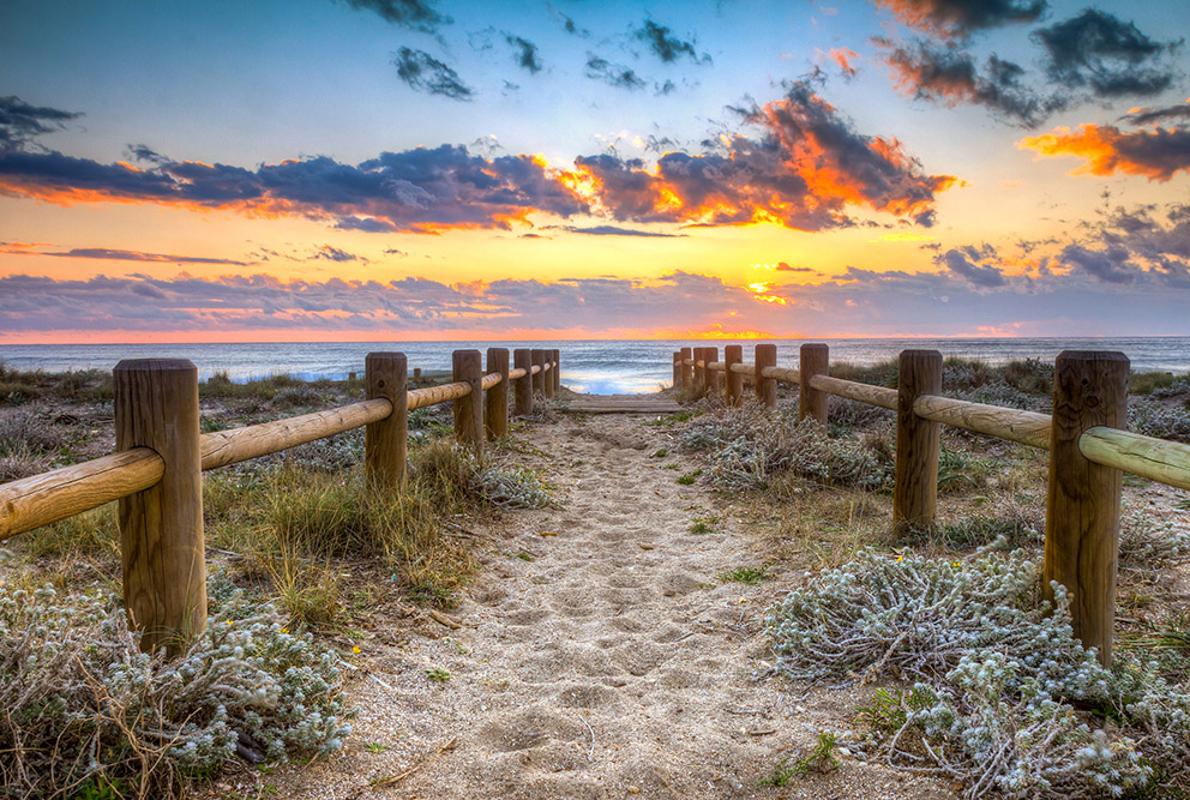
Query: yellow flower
x,y
956,564
900,558
285,630
355,649
229,622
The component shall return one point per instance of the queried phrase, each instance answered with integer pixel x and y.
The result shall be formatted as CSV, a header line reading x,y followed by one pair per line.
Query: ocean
x,y
597,367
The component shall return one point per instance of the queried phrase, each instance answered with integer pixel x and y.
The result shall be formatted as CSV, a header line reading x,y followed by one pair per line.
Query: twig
x,y
393,780
590,730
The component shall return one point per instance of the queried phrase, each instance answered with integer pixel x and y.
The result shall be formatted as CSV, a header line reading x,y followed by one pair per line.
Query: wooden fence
x,y
1088,449
156,471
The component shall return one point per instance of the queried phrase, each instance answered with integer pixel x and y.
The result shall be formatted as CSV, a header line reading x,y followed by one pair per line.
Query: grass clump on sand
x,y
83,713
821,759
1004,697
747,447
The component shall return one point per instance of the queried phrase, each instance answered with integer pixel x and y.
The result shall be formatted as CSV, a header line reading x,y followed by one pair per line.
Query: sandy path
x,y
606,661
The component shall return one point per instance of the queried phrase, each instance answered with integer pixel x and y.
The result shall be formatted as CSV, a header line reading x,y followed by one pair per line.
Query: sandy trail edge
x,y
614,663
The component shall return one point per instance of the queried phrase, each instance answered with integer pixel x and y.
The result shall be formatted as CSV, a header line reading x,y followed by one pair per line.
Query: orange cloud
x,y
1157,154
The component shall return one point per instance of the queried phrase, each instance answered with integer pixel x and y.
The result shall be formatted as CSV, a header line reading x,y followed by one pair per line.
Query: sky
x,y
354,170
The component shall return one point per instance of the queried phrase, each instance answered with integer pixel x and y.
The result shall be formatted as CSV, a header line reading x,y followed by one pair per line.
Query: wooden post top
x,y
156,365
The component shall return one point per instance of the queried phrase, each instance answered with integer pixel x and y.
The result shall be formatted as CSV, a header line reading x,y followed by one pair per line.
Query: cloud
x,y
957,19
613,230
948,75
570,26
616,75
784,267
1110,265
1105,55
975,265
110,254
666,46
803,165
1158,153
1139,245
424,73
21,123
417,15
844,59
1146,116
329,253
806,166
526,53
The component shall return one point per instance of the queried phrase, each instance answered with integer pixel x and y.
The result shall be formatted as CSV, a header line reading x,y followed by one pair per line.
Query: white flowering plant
x,y
82,708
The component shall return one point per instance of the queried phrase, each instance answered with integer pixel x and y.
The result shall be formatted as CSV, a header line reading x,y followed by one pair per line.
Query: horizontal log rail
x,y
1088,449
157,426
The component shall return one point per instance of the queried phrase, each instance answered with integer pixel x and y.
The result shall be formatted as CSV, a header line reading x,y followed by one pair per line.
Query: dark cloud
x,y
948,74
109,254
616,75
21,123
526,53
572,27
417,15
1157,153
392,251
666,88
1105,55
613,230
1110,265
1147,116
666,46
418,190
977,266
427,74
784,267
956,19
1138,245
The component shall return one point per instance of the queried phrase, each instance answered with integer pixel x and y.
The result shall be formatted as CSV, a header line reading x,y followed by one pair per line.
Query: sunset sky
x,y
411,169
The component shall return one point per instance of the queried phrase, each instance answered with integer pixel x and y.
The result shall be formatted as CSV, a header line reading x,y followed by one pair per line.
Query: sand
x,y
598,655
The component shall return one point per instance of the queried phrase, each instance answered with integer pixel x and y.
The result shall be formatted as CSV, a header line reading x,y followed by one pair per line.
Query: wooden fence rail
x,y
1088,450
155,475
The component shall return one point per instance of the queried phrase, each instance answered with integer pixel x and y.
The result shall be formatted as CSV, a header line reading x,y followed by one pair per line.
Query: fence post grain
x,y
1082,512
712,375
161,532
678,370
915,493
539,378
468,410
523,359
496,403
385,442
733,381
700,372
766,388
687,371
814,359
557,370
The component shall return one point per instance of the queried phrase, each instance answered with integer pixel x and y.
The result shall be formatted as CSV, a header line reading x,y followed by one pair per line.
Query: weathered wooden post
x,y
687,370
1082,510
814,359
557,370
468,409
915,493
547,382
161,533
539,376
713,377
733,381
766,388
496,403
523,359
385,442
679,372
700,371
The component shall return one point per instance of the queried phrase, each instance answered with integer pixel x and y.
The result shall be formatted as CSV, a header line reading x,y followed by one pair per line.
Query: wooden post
x,y
385,442
496,403
557,370
539,378
687,371
468,410
523,359
713,378
814,359
161,533
766,388
915,493
733,381
700,372
679,372
1082,510
547,383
